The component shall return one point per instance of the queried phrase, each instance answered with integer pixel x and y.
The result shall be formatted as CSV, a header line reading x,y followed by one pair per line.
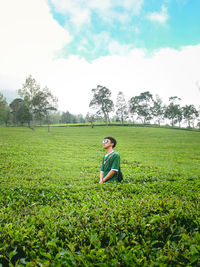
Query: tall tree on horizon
x,y
158,110
28,92
121,107
142,106
173,111
190,114
4,110
101,102
14,107
39,102
44,103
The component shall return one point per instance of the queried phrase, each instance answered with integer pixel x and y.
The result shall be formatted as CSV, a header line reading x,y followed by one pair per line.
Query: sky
x,y
71,46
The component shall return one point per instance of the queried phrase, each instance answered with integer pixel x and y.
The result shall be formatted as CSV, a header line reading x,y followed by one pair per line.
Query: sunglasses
x,y
105,141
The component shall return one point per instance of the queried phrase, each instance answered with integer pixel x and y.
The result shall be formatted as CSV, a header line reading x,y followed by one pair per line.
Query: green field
x,y
53,212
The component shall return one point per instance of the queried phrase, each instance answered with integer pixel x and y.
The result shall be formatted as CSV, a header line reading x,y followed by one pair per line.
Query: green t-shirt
x,y
112,164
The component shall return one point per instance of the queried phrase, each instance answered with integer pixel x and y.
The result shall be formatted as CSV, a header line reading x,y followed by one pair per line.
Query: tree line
x,y
38,106
143,107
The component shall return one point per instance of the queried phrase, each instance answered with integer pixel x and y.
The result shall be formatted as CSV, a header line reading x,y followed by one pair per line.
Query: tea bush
x,y
53,212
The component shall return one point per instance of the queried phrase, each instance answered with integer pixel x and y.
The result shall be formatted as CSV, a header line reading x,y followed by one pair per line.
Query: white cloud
x,y
119,49
99,4
29,34
63,6
160,17
167,73
134,5
80,17
80,11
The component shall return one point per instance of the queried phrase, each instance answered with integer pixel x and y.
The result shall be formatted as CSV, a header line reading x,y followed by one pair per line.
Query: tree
x,y
121,107
101,102
190,114
67,117
55,117
20,111
23,114
158,109
90,118
40,103
142,106
8,116
4,110
80,118
180,115
30,90
44,103
173,110
14,106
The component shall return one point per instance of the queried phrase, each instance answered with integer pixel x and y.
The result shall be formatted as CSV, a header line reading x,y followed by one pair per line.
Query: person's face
x,y
107,143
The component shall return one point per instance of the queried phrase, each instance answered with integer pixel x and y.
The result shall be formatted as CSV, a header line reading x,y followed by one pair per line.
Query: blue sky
x,y
147,24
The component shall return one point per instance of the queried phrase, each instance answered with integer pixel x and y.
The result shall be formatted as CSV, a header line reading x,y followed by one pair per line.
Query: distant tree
x,y
14,106
23,114
43,104
142,105
67,117
30,89
20,112
121,107
8,117
91,118
80,118
40,103
158,110
180,115
173,110
55,117
101,102
4,110
190,114
174,99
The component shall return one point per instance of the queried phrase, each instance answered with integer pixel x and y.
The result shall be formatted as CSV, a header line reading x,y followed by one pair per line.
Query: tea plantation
x,y
53,212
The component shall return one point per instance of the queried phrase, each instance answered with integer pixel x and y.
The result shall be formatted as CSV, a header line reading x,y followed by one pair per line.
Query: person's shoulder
x,y
116,154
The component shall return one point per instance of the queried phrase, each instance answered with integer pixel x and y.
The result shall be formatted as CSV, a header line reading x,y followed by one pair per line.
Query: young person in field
x,y
110,168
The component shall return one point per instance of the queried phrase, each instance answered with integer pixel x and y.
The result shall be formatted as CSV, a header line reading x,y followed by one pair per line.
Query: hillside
x,y
54,212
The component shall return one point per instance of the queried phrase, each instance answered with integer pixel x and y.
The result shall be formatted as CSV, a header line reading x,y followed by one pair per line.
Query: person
x,y
110,166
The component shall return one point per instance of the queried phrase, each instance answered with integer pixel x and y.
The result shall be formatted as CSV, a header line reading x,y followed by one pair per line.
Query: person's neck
x,y
109,150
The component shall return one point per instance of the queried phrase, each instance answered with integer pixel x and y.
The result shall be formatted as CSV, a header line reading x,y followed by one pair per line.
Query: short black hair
x,y
113,140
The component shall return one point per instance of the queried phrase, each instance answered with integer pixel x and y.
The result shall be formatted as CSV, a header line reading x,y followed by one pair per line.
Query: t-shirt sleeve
x,y
102,165
116,163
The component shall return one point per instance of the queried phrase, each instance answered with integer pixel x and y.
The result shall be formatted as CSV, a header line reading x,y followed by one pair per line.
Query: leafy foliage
x,y
121,107
54,212
101,101
142,105
190,113
38,103
4,110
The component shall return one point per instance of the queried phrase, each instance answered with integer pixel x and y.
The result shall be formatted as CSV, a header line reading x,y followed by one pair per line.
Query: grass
x,y
53,212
